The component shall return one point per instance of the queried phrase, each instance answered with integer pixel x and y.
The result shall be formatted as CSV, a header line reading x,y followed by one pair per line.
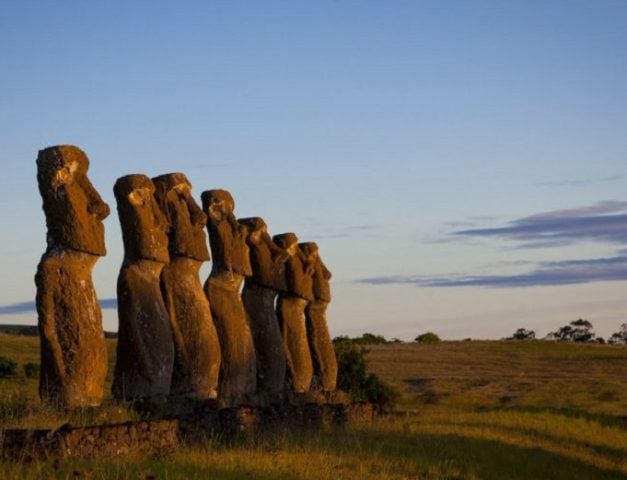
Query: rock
x,y
73,349
231,264
320,342
145,350
259,294
197,348
291,313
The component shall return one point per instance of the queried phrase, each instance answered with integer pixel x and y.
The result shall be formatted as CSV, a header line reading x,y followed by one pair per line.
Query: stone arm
x,y
46,310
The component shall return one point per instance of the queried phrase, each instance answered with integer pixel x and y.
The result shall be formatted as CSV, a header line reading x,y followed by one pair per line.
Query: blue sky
x,y
461,164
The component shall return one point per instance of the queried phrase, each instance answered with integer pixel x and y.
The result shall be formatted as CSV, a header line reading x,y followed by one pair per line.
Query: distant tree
x,y
365,339
620,337
7,367
371,339
576,331
523,334
428,337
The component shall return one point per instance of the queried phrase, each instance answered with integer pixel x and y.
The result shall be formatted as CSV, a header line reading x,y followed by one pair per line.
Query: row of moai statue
x,y
176,339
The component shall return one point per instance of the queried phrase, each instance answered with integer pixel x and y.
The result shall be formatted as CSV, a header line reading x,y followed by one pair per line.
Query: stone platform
x,y
169,434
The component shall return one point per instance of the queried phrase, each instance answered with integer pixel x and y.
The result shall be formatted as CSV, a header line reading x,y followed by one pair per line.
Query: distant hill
x,y
33,331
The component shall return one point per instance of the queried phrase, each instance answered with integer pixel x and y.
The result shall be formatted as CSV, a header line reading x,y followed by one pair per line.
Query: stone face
x,y
73,349
291,312
197,348
231,264
145,350
259,294
320,343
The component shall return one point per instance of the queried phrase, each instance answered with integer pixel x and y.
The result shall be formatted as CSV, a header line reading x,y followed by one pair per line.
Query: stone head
x,y
287,241
144,225
186,220
73,208
218,205
255,227
310,250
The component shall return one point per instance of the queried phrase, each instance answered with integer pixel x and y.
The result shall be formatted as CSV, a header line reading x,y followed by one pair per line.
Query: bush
x,y
620,337
577,331
365,339
7,367
428,337
31,370
523,334
354,378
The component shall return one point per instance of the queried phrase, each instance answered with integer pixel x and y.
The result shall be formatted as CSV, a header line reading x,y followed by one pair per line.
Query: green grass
x,y
467,410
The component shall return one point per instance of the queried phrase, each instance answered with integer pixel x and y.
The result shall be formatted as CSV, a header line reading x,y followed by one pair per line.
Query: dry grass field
x,y
466,410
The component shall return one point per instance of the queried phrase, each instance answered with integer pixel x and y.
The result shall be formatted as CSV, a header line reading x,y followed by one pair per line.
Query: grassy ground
x,y
467,410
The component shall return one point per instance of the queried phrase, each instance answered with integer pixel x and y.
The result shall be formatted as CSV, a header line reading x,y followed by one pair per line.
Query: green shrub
x,y
31,370
428,337
354,378
7,367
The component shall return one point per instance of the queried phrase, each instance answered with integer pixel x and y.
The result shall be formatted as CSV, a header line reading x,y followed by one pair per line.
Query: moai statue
x,y
73,349
291,312
197,349
145,351
322,351
259,293
230,265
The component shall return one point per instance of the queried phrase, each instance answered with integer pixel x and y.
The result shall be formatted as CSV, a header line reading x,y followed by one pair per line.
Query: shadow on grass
x,y
607,420
485,459
397,454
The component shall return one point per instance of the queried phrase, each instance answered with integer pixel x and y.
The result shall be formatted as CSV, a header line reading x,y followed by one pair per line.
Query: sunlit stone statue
x,y
259,294
322,351
73,350
291,312
197,349
145,350
230,265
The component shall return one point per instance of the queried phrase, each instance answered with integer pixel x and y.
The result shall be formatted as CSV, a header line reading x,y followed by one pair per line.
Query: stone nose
x,y
96,206
100,209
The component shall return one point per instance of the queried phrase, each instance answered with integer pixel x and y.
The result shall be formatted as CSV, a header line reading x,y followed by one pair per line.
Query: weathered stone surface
x,y
231,264
145,350
320,343
291,313
259,294
73,350
196,344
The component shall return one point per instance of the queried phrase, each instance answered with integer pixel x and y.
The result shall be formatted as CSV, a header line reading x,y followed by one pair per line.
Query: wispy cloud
x,y
604,221
565,272
582,182
27,307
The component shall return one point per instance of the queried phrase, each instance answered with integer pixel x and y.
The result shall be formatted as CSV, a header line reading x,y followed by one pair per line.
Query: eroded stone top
x,y
74,210
186,220
143,223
